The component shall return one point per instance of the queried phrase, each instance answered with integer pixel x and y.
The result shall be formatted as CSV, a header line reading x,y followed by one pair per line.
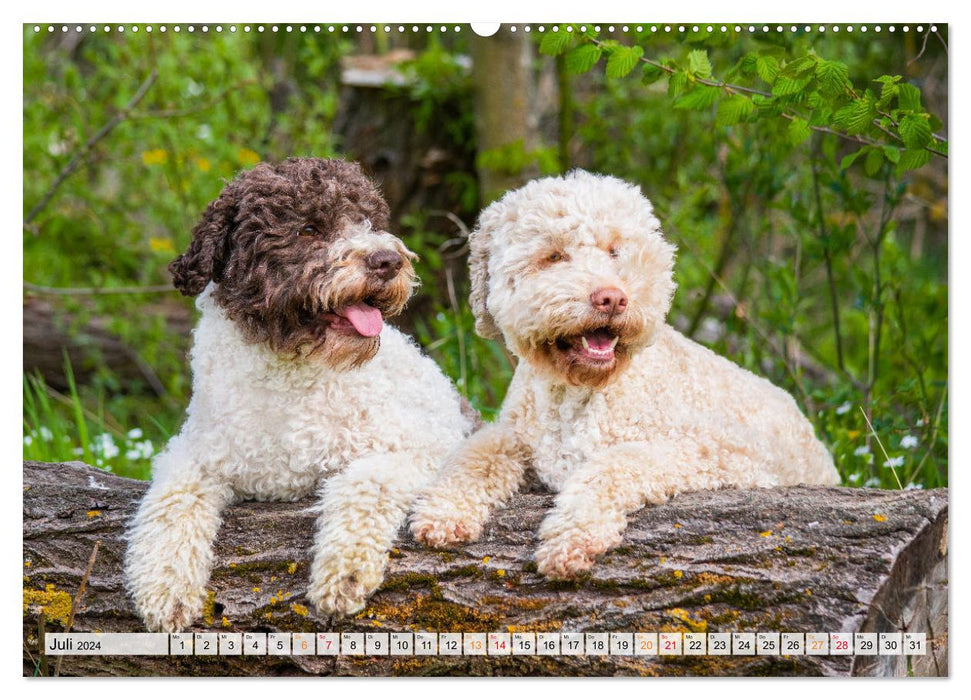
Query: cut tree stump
x,y
801,559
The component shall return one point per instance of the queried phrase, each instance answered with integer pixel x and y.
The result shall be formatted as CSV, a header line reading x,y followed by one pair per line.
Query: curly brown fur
x,y
287,245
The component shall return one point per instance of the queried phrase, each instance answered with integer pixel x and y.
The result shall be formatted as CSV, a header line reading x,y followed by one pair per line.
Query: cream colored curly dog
x,y
611,406
298,388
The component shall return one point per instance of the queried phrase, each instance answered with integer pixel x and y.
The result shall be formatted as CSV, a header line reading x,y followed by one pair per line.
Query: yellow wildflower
x,y
248,157
157,156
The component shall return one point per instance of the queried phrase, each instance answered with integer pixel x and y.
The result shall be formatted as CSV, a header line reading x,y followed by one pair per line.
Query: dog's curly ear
x,y
208,252
479,239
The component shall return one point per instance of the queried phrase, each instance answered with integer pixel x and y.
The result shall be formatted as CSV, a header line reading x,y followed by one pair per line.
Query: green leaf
x,y
651,74
747,64
908,97
701,97
799,67
555,43
891,153
582,58
676,83
622,60
849,159
766,105
911,159
833,77
855,117
887,93
698,64
915,130
767,68
733,110
874,159
784,85
798,131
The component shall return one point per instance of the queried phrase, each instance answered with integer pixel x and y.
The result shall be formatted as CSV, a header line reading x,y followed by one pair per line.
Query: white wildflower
x,y
28,440
140,450
872,482
920,422
908,442
862,450
894,462
46,433
104,445
78,451
135,433
843,408
913,487
853,478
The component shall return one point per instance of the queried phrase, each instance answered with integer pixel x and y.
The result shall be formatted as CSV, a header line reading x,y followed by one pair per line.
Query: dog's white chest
x,y
571,430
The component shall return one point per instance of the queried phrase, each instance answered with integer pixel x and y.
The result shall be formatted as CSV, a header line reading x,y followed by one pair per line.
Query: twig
x,y
459,332
460,242
97,291
922,48
781,353
933,440
882,449
80,156
732,89
76,603
828,260
42,641
188,111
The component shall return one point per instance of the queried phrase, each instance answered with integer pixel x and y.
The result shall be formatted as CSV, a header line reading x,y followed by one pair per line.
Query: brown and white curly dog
x,y
611,406
298,388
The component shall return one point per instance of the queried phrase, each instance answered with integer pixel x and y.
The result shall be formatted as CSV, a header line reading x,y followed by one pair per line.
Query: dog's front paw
x,y
440,532
342,588
569,554
169,608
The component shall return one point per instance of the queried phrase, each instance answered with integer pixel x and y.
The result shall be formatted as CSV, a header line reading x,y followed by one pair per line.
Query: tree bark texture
x,y
800,559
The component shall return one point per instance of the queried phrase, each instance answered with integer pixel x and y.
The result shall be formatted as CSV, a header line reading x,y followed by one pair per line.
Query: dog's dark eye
x,y
613,251
309,230
554,257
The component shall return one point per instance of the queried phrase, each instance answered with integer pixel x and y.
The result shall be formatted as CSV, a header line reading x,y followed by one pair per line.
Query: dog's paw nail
x,y
442,533
566,557
344,594
173,614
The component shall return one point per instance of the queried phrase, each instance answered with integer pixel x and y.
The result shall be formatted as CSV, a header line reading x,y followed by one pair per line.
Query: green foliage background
x,y
803,176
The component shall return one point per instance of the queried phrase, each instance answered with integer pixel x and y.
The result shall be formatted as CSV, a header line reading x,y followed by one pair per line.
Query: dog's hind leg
x,y
169,555
590,513
485,471
361,510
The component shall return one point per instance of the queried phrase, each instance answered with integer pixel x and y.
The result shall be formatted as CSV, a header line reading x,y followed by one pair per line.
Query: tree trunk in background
x,y
801,559
504,93
50,333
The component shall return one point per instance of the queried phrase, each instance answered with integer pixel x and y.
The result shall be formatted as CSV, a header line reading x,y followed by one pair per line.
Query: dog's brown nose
x,y
609,300
384,263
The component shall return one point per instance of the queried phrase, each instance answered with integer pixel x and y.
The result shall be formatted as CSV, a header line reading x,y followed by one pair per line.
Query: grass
x,y
60,428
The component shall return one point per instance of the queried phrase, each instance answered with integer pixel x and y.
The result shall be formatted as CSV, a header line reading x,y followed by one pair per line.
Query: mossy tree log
x,y
795,559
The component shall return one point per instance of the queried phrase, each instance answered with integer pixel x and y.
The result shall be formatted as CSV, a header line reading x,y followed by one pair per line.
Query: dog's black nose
x,y
384,263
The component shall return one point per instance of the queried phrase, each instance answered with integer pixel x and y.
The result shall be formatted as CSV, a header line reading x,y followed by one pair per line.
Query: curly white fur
x,y
672,417
265,427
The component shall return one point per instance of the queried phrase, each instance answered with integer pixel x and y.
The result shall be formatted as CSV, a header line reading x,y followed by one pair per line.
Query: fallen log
x,y
802,559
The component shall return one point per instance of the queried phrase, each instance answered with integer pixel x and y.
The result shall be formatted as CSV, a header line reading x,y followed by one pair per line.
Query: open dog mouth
x,y
596,347
363,319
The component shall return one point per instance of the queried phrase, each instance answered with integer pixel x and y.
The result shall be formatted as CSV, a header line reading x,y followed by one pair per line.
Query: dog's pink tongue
x,y
366,319
600,341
